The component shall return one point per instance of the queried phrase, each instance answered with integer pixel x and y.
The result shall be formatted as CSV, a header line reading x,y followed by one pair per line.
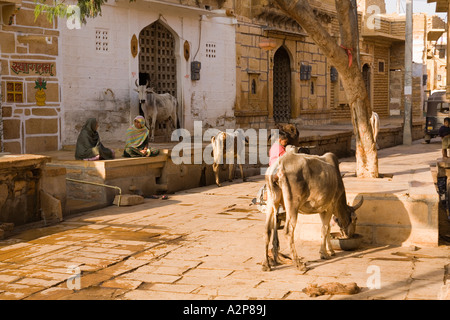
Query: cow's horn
x,y
147,83
359,204
136,83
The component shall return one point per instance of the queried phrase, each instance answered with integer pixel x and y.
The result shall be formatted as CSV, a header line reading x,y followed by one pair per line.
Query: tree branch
x,y
348,23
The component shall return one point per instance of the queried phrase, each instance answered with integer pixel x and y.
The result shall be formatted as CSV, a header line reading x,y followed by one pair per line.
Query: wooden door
x,y
281,86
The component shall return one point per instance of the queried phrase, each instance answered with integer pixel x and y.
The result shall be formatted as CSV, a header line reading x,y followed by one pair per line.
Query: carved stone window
x,y
14,92
101,40
253,88
210,50
381,65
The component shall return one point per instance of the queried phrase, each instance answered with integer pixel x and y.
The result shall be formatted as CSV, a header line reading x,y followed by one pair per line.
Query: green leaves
x,y
57,8
40,84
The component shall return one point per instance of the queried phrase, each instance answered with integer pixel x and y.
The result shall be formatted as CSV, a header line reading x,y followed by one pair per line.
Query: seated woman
x,y
137,140
89,146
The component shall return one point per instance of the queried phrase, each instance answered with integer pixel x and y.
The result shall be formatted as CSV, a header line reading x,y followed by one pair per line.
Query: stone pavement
x,y
207,244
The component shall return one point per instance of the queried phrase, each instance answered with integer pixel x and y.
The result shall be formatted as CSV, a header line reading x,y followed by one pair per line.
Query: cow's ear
x,y
136,90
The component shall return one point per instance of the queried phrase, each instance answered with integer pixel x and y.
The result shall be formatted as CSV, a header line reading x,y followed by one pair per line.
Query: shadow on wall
x,y
397,219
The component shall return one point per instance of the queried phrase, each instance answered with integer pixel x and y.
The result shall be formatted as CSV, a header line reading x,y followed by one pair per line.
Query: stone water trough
x,y
400,208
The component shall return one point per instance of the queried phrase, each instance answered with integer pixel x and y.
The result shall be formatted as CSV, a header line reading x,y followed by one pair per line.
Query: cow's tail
x,y
176,121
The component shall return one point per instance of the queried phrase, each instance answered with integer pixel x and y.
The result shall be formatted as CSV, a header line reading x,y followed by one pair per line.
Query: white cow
x,y
157,107
375,123
228,146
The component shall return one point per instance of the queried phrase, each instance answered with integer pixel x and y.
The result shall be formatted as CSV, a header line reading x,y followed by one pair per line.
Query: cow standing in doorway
x,y
157,107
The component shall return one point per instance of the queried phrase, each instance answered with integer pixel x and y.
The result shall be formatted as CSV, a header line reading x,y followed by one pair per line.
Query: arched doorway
x,y
281,86
157,60
158,63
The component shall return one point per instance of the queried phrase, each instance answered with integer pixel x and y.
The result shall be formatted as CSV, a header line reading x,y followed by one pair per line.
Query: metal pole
x,y
407,123
398,6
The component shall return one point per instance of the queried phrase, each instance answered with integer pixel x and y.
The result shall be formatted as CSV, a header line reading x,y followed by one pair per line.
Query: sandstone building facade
x,y
30,80
257,67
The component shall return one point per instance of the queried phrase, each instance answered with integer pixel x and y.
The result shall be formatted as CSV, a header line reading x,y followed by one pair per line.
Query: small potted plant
x,y
40,96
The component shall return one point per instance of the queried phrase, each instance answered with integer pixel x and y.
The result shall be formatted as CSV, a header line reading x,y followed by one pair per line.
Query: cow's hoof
x,y
218,184
266,267
301,266
274,261
325,256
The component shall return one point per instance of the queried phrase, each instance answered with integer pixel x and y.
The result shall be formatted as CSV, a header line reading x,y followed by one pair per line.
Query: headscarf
x,y
87,140
135,137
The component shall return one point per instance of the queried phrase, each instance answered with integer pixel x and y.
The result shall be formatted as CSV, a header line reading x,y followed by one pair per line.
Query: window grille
x,y
101,41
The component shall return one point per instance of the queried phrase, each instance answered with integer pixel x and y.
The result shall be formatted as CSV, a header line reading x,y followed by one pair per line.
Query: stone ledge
x,y
8,161
399,212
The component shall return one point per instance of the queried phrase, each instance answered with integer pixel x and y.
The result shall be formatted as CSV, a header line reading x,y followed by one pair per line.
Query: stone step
x,y
74,206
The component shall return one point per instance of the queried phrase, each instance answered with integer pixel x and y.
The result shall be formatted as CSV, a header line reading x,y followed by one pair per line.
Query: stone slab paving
x,y
200,244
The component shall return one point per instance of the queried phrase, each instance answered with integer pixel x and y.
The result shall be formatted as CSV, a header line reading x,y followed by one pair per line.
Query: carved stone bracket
x,y
276,18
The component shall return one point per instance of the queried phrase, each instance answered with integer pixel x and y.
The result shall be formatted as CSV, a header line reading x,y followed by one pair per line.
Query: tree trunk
x,y
1,114
345,58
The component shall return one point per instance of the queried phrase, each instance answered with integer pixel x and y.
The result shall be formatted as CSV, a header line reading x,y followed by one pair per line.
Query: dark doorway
x,y
157,58
281,86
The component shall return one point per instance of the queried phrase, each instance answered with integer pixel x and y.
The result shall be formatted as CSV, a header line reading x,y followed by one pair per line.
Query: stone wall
x,y
327,101
20,185
380,78
101,83
338,143
397,73
30,82
252,68
257,24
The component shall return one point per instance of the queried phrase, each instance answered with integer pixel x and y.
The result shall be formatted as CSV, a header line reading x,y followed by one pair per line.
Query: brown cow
x,y
227,147
306,184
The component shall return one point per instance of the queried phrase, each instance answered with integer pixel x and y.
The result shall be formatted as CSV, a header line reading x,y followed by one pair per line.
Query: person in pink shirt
x,y
278,148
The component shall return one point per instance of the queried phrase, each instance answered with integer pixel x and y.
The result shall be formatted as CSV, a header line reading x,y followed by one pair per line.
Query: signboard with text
x,y
33,68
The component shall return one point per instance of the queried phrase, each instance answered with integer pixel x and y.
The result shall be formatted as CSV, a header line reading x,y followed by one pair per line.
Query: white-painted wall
x,y
88,74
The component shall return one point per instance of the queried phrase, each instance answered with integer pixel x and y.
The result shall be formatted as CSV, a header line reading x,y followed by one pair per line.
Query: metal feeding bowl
x,y
347,244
